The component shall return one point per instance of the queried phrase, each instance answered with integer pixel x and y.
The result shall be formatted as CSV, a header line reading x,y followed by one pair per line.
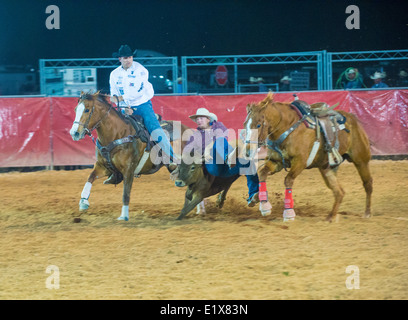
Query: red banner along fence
x,y
35,131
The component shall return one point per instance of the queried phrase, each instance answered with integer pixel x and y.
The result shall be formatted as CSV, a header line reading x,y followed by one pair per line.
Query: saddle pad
x,y
303,109
141,131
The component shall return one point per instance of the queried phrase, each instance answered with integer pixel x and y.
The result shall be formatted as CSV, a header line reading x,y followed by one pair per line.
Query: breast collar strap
x,y
275,144
106,150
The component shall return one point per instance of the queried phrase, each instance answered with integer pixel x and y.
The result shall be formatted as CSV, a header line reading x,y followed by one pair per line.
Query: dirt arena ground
x,y
233,253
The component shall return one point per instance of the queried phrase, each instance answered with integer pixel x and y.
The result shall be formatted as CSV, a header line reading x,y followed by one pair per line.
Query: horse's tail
x,y
360,142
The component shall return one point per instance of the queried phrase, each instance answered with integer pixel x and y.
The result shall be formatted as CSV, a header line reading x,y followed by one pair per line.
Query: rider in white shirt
x,y
130,86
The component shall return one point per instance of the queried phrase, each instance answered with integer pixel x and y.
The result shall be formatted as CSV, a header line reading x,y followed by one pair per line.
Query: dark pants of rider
x,y
219,168
152,125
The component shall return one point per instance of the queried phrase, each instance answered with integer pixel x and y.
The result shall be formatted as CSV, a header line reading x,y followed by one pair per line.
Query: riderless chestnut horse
x,y
123,145
295,146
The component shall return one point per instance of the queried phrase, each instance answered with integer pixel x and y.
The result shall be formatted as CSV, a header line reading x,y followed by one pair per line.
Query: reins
x,y
275,144
263,143
106,150
85,125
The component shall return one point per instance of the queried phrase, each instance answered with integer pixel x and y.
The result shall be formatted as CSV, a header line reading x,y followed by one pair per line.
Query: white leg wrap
x,y
83,204
86,191
125,213
201,207
265,207
289,215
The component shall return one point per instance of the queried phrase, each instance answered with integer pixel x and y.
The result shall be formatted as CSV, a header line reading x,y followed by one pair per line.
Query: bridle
x,y
85,125
275,144
264,141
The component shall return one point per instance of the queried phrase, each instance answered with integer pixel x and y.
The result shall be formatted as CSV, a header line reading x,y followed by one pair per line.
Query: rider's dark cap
x,y
124,51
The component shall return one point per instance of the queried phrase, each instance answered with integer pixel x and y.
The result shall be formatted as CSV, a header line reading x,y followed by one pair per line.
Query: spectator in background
x,y
350,79
402,79
260,82
378,80
180,85
261,85
252,80
285,83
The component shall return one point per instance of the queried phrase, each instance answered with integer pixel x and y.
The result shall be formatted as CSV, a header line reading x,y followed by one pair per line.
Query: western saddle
x,y
325,120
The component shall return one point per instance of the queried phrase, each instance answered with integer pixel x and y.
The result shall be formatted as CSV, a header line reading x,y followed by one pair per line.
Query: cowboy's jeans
x,y
152,125
219,168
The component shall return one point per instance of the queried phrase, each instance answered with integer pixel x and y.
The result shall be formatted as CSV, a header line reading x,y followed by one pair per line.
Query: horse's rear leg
x,y
127,187
96,173
365,175
330,178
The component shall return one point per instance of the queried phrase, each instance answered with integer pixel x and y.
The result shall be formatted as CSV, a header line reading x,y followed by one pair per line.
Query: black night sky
x,y
95,29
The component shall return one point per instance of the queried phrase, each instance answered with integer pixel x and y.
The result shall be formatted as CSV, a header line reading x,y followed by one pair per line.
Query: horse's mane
x,y
104,99
90,96
262,104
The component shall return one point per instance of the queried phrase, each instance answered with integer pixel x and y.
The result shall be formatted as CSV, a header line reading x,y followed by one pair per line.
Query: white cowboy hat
x,y
260,79
378,75
252,79
203,112
285,78
403,74
351,71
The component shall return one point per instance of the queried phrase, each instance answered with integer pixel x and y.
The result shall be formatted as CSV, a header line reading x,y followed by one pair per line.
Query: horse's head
x,y
190,169
88,113
256,125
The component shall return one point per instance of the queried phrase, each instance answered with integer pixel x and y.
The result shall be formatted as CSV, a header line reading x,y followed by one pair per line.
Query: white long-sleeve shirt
x,y
132,84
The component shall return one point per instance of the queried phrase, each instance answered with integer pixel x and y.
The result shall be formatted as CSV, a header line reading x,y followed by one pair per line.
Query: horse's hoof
x,y
201,211
123,218
83,204
289,215
265,207
219,205
252,201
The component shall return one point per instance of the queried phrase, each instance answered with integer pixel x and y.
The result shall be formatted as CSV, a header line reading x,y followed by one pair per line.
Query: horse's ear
x,y
269,97
249,108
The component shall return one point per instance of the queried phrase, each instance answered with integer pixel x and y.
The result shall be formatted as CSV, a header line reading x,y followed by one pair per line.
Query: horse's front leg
x,y
96,173
264,205
127,187
296,168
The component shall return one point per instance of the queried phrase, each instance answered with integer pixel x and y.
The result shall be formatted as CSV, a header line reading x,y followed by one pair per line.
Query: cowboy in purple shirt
x,y
210,140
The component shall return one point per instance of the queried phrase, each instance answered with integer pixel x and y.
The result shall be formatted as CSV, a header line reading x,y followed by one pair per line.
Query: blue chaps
x,y
219,168
145,110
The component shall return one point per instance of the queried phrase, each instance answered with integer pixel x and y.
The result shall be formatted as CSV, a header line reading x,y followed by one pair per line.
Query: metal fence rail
x,y
359,56
321,63
169,63
311,57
